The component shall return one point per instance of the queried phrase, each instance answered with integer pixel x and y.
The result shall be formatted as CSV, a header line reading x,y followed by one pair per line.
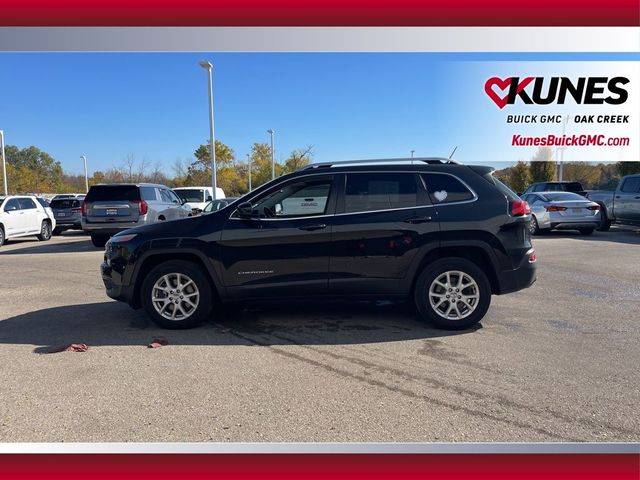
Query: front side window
x,y
300,199
11,205
446,189
367,192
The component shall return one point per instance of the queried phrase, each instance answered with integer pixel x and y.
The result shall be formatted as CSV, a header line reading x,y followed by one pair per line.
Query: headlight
x,y
124,238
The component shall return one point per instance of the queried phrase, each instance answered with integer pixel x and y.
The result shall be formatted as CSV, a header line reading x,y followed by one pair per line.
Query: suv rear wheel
x,y
45,231
177,294
452,293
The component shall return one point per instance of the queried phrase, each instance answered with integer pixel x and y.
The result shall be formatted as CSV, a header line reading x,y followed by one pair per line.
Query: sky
x,y
154,106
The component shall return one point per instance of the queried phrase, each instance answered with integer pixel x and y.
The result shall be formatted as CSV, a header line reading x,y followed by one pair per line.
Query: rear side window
x,y
67,203
27,203
446,189
573,187
118,193
380,191
631,185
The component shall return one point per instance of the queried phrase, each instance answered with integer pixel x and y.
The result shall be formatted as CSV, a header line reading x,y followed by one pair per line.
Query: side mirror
x,y
245,210
183,201
209,198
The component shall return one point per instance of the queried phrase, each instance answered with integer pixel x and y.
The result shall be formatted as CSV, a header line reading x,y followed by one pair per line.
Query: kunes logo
x,y
540,91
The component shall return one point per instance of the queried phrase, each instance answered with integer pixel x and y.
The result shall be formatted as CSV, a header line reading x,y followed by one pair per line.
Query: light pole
x,y
4,163
249,166
209,67
86,176
412,152
273,163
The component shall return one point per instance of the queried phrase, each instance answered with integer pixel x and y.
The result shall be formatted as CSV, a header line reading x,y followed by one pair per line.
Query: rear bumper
x,y
105,228
574,225
519,278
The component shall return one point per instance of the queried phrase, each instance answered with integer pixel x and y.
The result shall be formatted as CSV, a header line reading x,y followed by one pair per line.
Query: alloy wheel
x,y
454,295
175,296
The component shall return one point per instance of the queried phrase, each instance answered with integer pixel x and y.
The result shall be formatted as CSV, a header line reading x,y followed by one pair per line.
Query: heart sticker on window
x,y
440,195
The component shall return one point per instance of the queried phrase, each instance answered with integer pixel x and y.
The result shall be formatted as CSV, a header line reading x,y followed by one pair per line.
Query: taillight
x,y
519,208
83,208
143,207
555,208
593,207
532,255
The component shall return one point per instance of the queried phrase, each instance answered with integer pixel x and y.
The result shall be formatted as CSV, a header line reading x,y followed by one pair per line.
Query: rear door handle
x,y
637,198
315,226
418,220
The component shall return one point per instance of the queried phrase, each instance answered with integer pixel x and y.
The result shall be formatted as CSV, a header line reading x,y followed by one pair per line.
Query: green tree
x,y
260,164
627,168
31,170
588,175
519,176
299,158
199,172
542,168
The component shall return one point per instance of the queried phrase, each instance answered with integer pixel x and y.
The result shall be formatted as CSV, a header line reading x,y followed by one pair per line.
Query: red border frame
x,y
319,13
322,466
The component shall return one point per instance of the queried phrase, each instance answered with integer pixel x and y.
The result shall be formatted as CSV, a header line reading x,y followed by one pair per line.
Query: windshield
x,y
192,195
560,196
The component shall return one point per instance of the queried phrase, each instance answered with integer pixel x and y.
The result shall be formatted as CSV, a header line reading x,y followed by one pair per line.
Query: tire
x,y
57,231
45,231
534,228
427,291
168,276
586,231
99,240
605,223
1,236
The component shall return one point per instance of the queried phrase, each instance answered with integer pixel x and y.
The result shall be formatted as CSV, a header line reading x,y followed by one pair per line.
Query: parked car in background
x,y
446,236
62,196
621,205
562,211
111,208
216,205
574,187
198,197
68,214
23,216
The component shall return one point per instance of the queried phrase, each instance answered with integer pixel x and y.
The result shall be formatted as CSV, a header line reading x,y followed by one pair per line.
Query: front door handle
x,y
418,220
315,226
637,198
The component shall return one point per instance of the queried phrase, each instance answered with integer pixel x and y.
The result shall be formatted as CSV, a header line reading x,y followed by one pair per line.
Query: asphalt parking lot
x,y
557,362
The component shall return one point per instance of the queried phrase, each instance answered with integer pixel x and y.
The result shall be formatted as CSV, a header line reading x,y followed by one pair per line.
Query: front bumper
x,y
113,284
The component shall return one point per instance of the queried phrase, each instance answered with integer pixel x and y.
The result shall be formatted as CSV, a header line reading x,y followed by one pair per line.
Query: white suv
x,y
24,215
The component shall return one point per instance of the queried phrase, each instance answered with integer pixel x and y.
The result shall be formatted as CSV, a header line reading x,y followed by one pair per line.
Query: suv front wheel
x,y
452,293
177,294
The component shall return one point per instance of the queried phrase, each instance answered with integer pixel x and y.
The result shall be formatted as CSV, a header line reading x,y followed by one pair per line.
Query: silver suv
x,y
109,209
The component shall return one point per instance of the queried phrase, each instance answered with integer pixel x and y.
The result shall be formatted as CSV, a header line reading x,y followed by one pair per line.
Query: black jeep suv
x,y
446,235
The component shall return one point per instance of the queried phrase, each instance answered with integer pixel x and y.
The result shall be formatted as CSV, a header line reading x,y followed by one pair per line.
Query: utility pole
x,y
249,166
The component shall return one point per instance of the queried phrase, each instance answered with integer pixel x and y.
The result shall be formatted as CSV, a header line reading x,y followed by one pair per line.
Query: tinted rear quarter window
x,y
148,193
446,189
119,193
380,191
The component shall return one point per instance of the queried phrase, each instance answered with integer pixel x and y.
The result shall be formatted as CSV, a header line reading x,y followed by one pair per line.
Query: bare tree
x,y
129,163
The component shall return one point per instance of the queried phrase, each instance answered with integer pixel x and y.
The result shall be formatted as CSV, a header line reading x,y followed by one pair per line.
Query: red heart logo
x,y
502,85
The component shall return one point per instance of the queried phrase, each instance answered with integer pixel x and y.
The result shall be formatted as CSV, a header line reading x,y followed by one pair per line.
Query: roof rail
x,y
429,160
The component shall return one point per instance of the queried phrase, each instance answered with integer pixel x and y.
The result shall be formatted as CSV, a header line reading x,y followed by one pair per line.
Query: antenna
x,y
454,151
